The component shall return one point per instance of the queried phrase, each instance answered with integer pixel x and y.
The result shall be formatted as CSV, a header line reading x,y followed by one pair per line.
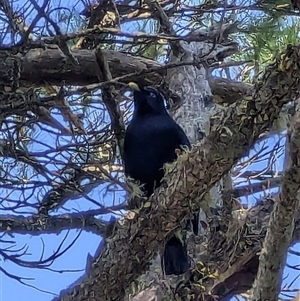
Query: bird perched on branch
x,y
152,139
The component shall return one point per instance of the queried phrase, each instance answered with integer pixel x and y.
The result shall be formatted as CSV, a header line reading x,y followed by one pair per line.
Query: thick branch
x,y
137,237
228,91
281,226
52,66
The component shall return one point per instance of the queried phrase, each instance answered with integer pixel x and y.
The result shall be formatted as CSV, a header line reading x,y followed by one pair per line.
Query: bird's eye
x,y
152,94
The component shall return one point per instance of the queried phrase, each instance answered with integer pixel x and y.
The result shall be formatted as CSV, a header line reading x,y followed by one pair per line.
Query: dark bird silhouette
x,y
152,139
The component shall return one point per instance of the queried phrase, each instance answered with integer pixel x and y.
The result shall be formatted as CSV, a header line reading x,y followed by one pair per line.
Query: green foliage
x,y
264,33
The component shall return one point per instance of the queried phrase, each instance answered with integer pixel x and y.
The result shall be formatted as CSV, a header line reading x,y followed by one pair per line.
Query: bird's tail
x,y
175,259
195,223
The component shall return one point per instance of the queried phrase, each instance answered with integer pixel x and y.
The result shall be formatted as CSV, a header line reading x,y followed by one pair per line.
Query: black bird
x,y
151,140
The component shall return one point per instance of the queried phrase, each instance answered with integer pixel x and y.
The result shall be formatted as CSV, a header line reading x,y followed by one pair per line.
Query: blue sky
x,y
68,268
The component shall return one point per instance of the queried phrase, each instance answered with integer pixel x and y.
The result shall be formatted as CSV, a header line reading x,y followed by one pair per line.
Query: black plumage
x,y
151,140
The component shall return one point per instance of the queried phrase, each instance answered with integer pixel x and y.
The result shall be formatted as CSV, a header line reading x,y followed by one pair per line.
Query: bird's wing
x,y
182,137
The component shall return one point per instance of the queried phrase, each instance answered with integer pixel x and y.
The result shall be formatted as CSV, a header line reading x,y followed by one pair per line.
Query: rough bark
x,y
282,223
137,237
191,84
244,245
227,91
51,66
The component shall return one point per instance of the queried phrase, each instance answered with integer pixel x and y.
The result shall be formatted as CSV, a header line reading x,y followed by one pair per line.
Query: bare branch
x,y
38,224
109,98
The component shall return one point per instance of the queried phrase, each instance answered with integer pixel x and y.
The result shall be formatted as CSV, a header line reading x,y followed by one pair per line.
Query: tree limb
x,y
281,226
51,66
228,91
37,224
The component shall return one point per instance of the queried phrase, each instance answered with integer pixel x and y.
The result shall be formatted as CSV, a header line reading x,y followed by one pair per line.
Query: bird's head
x,y
147,100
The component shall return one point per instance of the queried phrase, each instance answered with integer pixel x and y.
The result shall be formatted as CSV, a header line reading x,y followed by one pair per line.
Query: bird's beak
x,y
133,86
